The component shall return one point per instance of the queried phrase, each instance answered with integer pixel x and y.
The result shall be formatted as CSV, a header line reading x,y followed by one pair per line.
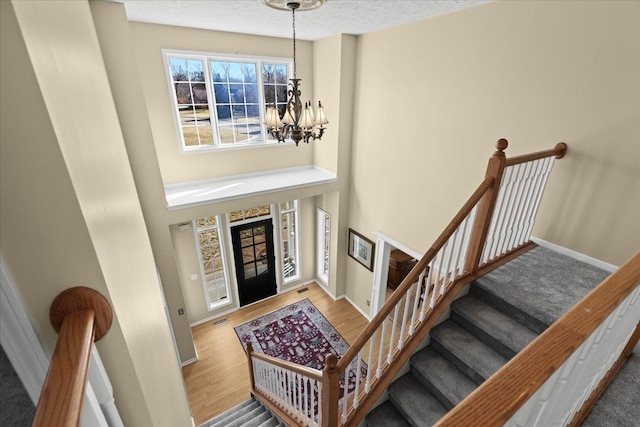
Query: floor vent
x,y
302,290
220,322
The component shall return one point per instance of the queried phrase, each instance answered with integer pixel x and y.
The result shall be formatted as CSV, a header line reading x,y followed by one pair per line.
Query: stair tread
x,y
476,359
232,416
271,422
386,415
414,401
512,335
213,421
248,418
441,377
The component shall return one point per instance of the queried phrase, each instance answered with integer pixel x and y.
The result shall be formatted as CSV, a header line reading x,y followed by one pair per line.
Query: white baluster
x,y
457,266
393,332
405,314
497,216
381,350
317,386
416,301
427,287
367,386
536,167
356,393
345,396
446,255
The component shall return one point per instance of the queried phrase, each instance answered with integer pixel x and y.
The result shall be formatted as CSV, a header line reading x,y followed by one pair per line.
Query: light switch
x,y
194,277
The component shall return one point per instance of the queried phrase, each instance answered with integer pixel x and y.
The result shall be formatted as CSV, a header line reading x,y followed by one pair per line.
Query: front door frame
x,y
275,243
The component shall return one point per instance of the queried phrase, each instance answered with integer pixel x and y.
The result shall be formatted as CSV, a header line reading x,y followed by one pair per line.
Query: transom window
x,y
220,100
243,214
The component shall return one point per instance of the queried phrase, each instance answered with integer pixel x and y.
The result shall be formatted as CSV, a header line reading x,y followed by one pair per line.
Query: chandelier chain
x,y
294,43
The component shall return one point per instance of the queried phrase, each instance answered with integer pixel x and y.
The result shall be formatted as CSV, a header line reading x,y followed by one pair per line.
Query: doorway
x,y
254,260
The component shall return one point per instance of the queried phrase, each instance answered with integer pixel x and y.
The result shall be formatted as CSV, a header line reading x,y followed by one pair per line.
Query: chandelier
x,y
298,123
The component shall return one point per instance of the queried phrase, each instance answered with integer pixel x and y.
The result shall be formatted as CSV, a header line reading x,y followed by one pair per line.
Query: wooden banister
x,y
80,315
498,398
330,392
293,367
558,151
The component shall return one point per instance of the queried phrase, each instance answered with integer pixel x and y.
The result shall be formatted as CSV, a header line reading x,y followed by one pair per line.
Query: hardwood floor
x,y
220,378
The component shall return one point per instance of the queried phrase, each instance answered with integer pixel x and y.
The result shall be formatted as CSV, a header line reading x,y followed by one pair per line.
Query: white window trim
x,y
229,300
320,237
296,213
207,56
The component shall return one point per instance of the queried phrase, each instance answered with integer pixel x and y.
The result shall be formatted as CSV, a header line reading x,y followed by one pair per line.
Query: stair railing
x,y
81,316
559,376
492,227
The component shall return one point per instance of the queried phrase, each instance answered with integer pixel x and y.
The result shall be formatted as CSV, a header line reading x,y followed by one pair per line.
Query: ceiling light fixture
x,y
297,123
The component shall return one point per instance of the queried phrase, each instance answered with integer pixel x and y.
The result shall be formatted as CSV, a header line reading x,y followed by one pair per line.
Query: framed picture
x,y
361,249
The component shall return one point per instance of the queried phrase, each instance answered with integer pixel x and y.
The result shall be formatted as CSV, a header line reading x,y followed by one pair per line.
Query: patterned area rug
x,y
298,333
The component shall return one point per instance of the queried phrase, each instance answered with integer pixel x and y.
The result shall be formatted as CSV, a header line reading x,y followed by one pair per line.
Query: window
x,y
290,250
243,214
212,266
323,244
220,100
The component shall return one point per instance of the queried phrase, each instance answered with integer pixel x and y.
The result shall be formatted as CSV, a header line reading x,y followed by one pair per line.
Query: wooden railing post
x,y
495,168
252,380
80,315
330,391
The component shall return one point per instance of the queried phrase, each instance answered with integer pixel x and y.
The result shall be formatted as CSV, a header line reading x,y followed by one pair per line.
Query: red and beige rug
x,y
298,333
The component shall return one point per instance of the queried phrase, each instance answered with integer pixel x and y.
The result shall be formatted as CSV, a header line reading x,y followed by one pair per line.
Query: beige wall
x,y
149,40
69,212
433,97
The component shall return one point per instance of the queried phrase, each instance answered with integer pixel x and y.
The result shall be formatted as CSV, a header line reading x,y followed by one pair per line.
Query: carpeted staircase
x,y
504,311
250,413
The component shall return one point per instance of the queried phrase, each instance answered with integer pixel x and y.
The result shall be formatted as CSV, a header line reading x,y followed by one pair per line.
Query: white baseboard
x,y
575,255
326,290
224,313
190,361
354,305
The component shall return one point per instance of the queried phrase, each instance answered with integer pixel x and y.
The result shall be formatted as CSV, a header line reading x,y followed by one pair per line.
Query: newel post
x,y
495,168
330,391
81,316
251,377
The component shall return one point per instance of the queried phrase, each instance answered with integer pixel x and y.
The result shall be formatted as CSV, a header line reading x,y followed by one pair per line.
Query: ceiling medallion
x,y
303,4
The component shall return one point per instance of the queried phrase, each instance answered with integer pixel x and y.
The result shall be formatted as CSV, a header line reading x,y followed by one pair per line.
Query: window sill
x,y
219,304
198,193
233,147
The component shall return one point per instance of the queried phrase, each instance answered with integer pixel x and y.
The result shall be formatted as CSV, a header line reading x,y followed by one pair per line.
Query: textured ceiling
x,y
252,17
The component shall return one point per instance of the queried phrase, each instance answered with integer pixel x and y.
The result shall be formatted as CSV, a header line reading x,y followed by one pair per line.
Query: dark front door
x,y
255,261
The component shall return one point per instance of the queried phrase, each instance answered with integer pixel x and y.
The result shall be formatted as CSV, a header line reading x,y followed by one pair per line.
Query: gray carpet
x,y
16,407
563,283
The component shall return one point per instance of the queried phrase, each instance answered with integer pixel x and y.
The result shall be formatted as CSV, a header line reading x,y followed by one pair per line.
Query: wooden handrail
x,y
312,373
412,277
498,398
558,151
80,315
